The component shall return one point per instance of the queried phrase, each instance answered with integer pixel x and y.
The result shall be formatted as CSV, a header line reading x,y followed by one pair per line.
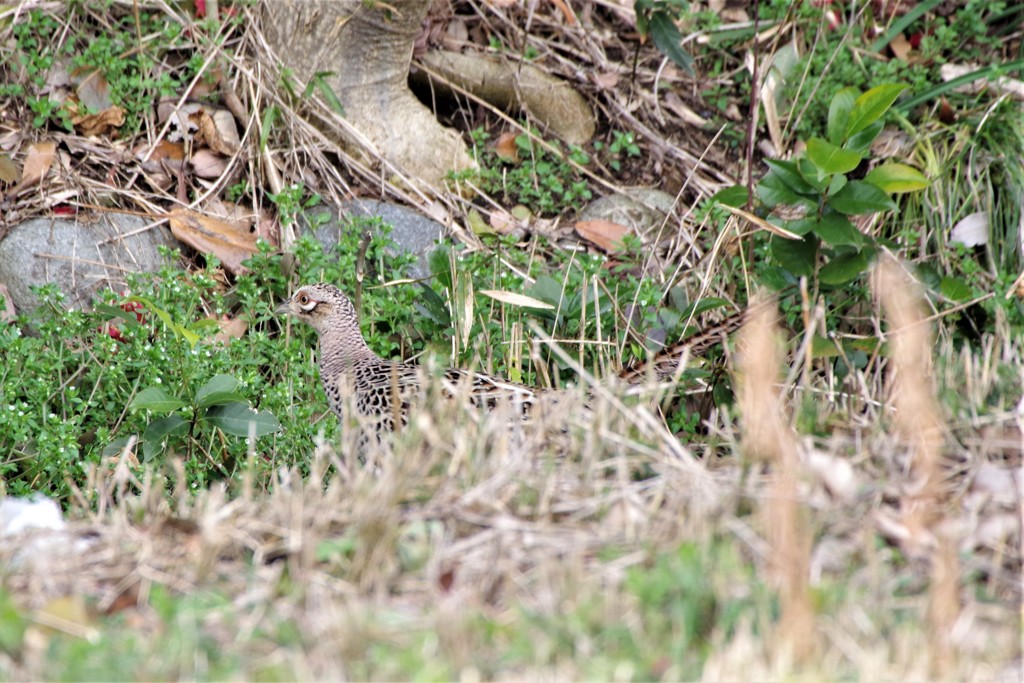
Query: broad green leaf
x,y
839,114
836,229
159,431
156,399
955,289
772,192
861,142
898,178
796,256
735,196
440,263
790,176
706,304
669,40
830,158
220,389
860,197
115,447
117,312
814,176
843,268
838,182
870,106
236,418
547,288
801,226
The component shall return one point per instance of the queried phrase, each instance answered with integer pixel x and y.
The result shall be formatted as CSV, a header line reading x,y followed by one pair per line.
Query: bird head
x,y
321,306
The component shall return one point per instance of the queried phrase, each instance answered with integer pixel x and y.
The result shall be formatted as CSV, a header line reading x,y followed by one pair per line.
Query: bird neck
x,y
341,348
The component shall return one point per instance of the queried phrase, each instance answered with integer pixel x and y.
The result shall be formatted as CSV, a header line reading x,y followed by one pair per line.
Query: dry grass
x,y
475,550
480,549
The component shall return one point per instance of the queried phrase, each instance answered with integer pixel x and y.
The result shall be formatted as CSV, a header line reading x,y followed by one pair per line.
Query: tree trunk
x,y
367,48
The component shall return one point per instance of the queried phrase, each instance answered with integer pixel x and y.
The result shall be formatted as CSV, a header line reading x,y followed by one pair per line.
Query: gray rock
x,y
82,258
413,232
639,208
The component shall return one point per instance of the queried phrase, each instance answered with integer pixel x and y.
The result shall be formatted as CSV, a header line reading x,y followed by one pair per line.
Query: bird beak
x,y
284,308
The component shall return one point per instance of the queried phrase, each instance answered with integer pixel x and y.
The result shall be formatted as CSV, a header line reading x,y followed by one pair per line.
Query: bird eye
x,y
303,299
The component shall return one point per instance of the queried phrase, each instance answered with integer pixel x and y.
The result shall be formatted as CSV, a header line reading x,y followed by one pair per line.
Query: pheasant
x,y
382,390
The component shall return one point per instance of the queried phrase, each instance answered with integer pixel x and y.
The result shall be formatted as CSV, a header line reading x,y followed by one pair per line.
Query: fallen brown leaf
x,y
606,235
8,170
208,164
165,149
227,240
901,47
97,124
37,162
230,328
217,130
506,149
92,88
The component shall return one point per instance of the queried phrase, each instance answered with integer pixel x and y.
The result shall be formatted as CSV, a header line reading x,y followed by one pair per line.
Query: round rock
x,y
81,258
412,232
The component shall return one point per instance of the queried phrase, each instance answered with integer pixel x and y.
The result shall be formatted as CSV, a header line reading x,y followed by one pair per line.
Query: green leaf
x,y
800,226
836,229
157,400
839,114
668,39
796,256
706,304
440,263
955,289
898,178
735,196
843,268
861,142
270,117
830,158
220,389
236,418
191,337
790,176
320,82
813,176
109,311
824,347
858,197
838,182
154,440
772,192
871,106
155,310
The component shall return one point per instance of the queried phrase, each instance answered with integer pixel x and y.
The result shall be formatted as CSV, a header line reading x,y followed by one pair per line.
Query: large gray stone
x,y
413,232
81,257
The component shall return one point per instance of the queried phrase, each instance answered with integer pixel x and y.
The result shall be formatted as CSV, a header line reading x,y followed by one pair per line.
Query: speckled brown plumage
x,y
382,390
